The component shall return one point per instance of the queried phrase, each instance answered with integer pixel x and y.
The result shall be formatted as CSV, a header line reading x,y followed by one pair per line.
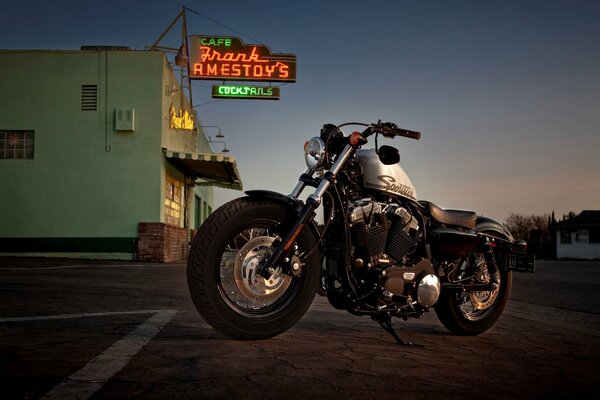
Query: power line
x,y
208,102
214,21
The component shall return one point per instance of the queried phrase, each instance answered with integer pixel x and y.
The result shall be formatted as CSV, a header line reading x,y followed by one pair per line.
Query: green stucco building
x,y
101,155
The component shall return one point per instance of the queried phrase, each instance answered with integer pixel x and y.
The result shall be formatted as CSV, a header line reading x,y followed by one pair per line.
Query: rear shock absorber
x,y
492,266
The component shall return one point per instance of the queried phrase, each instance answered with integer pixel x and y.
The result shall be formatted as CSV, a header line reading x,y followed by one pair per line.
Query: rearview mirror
x,y
388,155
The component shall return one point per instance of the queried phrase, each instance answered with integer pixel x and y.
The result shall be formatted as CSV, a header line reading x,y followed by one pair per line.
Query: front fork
x,y
284,248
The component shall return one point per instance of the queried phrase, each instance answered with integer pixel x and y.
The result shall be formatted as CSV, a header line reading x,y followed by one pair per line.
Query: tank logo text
x,y
390,185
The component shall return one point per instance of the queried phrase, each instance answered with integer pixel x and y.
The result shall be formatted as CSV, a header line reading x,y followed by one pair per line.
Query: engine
x,y
385,238
384,234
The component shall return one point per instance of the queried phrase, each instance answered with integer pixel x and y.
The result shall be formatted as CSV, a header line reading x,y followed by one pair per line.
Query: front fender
x,y
270,195
290,203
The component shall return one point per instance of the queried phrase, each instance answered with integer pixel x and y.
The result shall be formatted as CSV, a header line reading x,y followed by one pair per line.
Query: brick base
x,y
158,242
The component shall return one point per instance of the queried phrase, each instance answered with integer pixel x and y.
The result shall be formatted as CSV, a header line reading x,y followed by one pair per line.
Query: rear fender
x,y
516,257
493,228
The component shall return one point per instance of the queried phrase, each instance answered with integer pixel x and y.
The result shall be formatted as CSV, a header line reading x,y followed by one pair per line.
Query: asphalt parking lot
x,y
113,330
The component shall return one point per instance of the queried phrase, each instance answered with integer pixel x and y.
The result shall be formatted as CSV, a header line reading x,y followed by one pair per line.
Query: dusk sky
x,y
505,93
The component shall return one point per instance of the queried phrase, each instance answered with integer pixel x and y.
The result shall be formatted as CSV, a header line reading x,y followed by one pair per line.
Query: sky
x,y
506,93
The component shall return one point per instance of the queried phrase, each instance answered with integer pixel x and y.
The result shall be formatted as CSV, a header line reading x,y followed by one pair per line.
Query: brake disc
x,y
484,299
249,283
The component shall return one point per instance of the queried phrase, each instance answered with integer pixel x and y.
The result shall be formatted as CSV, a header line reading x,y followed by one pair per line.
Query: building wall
x,y
90,185
186,141
86,179
160,242
579,248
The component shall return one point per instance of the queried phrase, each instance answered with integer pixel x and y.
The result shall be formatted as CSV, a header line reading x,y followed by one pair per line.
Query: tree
x,y
534,230
522,226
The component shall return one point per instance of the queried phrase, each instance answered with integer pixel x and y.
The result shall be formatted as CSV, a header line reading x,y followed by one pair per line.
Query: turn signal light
x,y
356,138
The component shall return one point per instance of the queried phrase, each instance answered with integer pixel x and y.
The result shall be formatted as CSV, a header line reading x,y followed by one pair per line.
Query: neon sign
x,y
181,120
245,92
228,58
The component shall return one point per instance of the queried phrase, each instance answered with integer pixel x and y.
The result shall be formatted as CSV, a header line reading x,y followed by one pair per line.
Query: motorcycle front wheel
x,y
472,313
222,270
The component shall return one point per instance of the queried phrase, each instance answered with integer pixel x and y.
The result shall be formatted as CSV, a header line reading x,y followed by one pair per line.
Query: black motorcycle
x,y
256,263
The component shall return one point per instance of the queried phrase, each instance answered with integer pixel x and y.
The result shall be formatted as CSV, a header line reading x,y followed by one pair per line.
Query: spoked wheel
x,y
223,271
472,313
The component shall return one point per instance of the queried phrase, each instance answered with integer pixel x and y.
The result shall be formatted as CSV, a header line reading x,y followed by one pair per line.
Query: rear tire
x,y
224,287
475,312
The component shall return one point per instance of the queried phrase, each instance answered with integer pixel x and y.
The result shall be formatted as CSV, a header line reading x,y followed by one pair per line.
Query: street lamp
x,y
225,149
181,59
219,134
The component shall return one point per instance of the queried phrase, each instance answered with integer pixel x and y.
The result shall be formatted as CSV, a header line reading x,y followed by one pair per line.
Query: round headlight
x,y
314,153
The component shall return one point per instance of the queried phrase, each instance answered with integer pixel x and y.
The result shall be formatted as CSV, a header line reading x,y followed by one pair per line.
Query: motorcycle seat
x,y
464,219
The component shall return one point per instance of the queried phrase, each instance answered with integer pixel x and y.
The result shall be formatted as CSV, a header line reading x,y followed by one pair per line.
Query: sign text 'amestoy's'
x,y
228,58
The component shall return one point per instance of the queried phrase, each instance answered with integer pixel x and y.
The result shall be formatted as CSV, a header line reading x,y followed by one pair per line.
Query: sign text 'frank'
x,y
228,58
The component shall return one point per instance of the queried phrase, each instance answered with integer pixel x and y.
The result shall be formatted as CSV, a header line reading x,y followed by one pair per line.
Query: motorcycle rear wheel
x,y
472,313
222,278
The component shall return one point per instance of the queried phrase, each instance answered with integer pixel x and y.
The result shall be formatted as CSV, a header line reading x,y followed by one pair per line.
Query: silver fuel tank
x,y
385,178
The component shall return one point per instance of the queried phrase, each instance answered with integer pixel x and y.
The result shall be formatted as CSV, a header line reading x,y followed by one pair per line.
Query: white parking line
x,y
87,266
83,315
89,379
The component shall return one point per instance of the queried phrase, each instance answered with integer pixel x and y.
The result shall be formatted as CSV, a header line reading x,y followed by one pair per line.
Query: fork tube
x,y
312,203
331,174
300,185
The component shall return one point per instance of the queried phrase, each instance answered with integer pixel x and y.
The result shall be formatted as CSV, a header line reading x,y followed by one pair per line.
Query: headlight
x,y
314,153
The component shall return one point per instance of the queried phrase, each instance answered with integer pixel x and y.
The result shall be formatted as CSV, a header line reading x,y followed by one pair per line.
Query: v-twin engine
x,y
384,233
386,237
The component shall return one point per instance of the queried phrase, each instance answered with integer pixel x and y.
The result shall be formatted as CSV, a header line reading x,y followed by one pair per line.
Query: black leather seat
x,y
465,219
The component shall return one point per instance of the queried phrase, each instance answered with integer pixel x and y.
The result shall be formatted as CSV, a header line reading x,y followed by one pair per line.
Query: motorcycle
x,y
256,263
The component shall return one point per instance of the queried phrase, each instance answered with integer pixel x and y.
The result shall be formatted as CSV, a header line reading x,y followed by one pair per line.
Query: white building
x,y
578,237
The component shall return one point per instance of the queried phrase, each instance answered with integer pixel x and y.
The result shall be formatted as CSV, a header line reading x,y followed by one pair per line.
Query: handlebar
x,y
387,129
391,130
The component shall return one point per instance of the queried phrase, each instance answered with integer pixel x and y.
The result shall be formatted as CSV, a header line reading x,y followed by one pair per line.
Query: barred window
x,y
172,200
565,236
582,236
16,145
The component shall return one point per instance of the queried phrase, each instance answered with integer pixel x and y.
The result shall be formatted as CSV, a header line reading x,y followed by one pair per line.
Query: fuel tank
x,y
389,179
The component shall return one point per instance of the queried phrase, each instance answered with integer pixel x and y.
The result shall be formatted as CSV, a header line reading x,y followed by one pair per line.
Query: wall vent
x,y
89,97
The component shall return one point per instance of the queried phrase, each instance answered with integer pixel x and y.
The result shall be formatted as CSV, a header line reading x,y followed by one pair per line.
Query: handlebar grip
x,y
409,134
392,133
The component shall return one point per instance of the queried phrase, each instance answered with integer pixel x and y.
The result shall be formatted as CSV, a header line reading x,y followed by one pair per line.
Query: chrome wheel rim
x,y
242,289
476,306
251,285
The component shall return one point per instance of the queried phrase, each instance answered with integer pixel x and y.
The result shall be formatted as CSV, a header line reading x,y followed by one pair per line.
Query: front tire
x,y
222,278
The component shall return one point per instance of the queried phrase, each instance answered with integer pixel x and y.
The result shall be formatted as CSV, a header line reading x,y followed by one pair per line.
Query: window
x,y
197,212
16,145
172,200
204,210
581,236
595,235
565,236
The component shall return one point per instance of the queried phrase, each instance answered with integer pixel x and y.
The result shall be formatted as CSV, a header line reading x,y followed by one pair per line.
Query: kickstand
x,y
386,324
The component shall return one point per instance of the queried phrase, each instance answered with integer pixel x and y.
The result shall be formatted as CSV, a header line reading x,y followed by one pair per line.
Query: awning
x,y
213,169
